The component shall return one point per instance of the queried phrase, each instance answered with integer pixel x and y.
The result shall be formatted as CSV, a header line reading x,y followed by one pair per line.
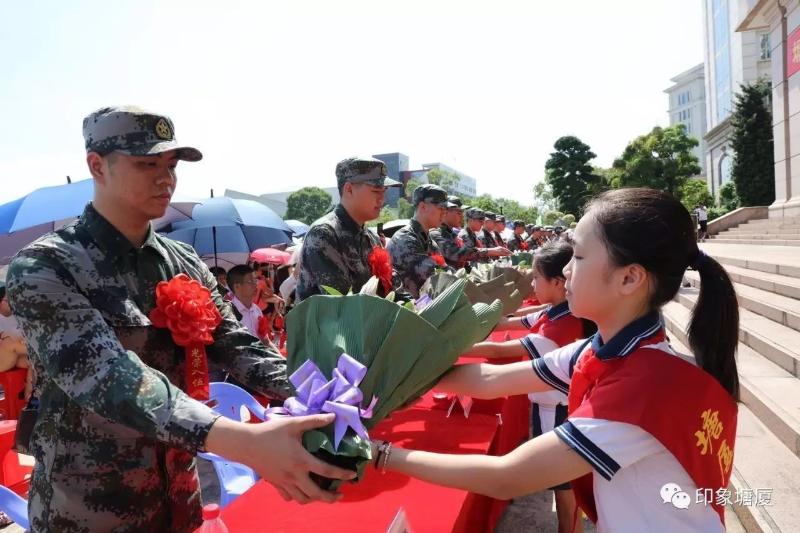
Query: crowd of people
x,y
119,427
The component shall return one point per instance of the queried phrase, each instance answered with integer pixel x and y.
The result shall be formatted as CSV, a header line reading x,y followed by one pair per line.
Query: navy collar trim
x,y
557,311
629,338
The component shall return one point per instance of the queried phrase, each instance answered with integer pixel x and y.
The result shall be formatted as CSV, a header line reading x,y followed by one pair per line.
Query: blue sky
x,y
275,93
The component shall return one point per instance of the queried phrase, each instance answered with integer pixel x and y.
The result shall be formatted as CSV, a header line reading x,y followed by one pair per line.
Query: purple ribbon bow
x,y
422,302
339,395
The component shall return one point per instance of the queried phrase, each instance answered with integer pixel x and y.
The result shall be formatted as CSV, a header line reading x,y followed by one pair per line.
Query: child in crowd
x,y
642,421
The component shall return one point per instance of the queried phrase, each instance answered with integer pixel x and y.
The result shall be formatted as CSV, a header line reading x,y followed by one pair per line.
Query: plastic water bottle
x,y
212,521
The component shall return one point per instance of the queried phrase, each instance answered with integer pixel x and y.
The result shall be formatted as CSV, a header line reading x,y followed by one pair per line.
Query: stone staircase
x,y
774,232
766,274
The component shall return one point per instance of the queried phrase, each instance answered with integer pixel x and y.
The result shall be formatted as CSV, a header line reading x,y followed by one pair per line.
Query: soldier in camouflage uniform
x,y
411,247
487,233
336,248
499,228
471,234
516,242
116,435
455,251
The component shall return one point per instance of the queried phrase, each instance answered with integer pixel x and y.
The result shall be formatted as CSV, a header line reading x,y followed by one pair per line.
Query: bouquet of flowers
x,y
362,357
522,279
496,289
522,259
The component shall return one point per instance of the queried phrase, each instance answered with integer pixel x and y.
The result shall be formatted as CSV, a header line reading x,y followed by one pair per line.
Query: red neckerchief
x,y
697,426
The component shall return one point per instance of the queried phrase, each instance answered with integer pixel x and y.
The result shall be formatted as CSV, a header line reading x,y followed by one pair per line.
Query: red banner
x,y
793,53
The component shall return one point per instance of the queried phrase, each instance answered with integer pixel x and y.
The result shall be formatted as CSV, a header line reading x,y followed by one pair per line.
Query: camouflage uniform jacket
x,y
499,239
116,437
515,243
487,238
456,254
470,238
411,248
335,253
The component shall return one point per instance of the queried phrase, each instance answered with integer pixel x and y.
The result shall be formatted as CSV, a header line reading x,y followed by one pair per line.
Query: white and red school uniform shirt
x,y
551,328
642,418
252,317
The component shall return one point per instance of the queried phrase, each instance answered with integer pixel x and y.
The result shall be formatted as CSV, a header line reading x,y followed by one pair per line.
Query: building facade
x,y
277,200
687,106
396,165
781,21
464,187
732,58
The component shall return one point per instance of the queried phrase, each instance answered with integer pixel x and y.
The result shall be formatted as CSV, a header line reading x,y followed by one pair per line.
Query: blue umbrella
x,y
58,205
299,228
49,208
228,225
46,205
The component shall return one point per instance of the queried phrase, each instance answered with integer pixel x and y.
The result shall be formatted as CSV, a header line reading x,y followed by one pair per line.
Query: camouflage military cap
x,y
490,216
133,131
363,170
430,194
454,202
501,218
519,224
475,213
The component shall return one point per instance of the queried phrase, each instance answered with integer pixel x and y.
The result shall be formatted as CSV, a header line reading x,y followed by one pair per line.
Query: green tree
x,y
550,217
543,197
661,159
569,219
404,208
443,178
695,192
485,202
410,186
728,198
607,176
753,169
307,204
513,210
570,175
387,214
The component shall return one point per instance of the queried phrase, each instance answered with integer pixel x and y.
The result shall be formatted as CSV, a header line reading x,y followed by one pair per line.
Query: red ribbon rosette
x,y
459,242
185,307
439,260
381,265
523,245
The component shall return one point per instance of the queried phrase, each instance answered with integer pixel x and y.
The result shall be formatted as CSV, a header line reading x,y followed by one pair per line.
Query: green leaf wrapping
x,y
405,353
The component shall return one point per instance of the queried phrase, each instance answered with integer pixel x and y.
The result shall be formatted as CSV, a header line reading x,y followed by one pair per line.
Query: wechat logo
x,y
672,493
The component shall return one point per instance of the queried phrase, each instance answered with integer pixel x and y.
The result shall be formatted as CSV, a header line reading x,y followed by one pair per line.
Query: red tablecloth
x,y
372,504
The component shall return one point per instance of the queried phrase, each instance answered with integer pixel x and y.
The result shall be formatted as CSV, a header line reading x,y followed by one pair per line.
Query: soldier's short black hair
x,y
237,274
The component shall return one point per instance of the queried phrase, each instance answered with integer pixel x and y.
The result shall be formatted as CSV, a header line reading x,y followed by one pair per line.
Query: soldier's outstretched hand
x,y
274,450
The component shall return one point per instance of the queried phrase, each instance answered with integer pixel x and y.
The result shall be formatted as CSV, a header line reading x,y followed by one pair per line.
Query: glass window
x,y
724,170
764,46
722,59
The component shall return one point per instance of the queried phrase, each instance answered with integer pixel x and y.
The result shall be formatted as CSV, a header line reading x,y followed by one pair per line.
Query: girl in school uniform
x,y
551,328
647,431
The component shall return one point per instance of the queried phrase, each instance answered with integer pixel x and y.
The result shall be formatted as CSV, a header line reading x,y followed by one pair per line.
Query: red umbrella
x,y
270,255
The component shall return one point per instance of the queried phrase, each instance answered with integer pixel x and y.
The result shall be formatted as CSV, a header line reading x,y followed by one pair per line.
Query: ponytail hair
x,y
714,329
653,229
